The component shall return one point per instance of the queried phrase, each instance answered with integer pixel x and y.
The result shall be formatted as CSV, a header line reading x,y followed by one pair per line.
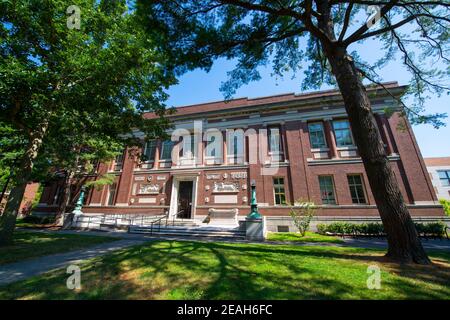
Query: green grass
x,y
198,270
296,237
29,245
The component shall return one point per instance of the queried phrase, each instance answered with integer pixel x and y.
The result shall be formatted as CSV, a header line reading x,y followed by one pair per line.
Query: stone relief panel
x,y
221,187
149,189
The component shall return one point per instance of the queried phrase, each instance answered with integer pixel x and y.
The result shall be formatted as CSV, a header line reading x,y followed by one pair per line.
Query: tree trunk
x,y
8,219
403,242
59,220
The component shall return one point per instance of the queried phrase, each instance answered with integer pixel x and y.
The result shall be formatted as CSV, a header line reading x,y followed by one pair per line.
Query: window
x,y
111,194
278,189
444,176
149,151
274,139
188,147
118,162
317,135
343,134
166,150
355,182
327,189
274,143
235,146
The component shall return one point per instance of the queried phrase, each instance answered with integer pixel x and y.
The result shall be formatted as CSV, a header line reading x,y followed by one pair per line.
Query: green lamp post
x,y
254,214
79,204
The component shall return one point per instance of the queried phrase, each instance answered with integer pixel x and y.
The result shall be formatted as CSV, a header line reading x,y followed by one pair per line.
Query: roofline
x,y
299,95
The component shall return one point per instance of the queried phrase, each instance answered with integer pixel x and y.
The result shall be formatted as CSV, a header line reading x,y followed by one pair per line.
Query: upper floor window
x,y
274,143
342,133
189,149
111,194
166,149
274,139
356,185
326,185
279,191
444,176
235,146
118,162
149,150
317,135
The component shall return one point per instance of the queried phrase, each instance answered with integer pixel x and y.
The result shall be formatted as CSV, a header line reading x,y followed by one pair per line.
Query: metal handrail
x,y
166,216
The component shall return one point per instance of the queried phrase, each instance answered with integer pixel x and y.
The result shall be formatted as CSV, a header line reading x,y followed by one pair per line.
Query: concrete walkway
x,y
21,270
376,243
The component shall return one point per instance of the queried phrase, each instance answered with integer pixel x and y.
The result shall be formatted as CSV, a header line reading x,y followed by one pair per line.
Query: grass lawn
x,y
296,237
213,270
34,244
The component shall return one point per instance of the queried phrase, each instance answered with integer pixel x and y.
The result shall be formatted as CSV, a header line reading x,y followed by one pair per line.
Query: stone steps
x,y
204,232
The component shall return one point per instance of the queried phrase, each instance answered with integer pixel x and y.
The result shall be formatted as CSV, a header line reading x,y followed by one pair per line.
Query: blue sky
x,y
198,87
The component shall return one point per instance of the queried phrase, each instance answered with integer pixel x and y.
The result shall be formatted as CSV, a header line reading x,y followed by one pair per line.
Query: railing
x,y
118,220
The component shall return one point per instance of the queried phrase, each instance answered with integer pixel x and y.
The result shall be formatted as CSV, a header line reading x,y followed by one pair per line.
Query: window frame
x,y
275,155
277,192
340,129
446,178
150,159
111,200
322,129
163,143
333,188
363,186
235,139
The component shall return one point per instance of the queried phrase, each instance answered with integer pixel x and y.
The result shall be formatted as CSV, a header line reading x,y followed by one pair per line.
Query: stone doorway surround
x,y
183,176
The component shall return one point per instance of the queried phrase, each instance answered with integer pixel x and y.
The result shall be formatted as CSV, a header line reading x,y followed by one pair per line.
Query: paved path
x,y
377,243
21,270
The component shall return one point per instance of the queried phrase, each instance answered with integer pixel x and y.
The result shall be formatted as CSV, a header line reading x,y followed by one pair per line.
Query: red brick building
x,y
293,146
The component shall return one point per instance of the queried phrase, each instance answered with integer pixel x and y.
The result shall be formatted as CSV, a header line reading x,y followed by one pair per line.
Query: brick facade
x,y
218,182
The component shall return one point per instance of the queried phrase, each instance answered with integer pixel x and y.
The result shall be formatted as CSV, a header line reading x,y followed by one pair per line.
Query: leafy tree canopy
x,y
290,35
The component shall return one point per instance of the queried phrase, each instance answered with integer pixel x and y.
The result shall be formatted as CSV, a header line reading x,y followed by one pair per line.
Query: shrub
x,y
446,205
302,215
434,229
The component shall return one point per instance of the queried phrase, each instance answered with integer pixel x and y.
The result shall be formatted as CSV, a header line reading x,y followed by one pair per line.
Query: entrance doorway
x,y
185,199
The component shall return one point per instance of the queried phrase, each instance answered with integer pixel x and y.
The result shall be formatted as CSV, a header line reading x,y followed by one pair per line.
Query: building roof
x,y
437,161
244,103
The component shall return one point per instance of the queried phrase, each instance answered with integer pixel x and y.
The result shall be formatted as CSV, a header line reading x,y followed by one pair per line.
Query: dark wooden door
x,y
185,199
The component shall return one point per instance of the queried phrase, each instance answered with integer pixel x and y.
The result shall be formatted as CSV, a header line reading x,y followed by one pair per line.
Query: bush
x,y
302,216
433,229
446,205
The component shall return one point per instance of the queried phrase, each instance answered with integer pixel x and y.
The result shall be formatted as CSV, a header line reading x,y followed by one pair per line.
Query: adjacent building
x,y
293,147
439,171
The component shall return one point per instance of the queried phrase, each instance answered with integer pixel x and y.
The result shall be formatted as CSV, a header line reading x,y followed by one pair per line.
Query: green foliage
x,y
99,183
446,205
301,215
91,85
435,229
291,37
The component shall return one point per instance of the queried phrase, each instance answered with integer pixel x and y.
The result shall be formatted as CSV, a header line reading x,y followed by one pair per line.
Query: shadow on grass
x,y
196,270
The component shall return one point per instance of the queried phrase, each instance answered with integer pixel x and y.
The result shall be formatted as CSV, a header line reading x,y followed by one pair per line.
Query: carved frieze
x,y
239,175
149,189
222,187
